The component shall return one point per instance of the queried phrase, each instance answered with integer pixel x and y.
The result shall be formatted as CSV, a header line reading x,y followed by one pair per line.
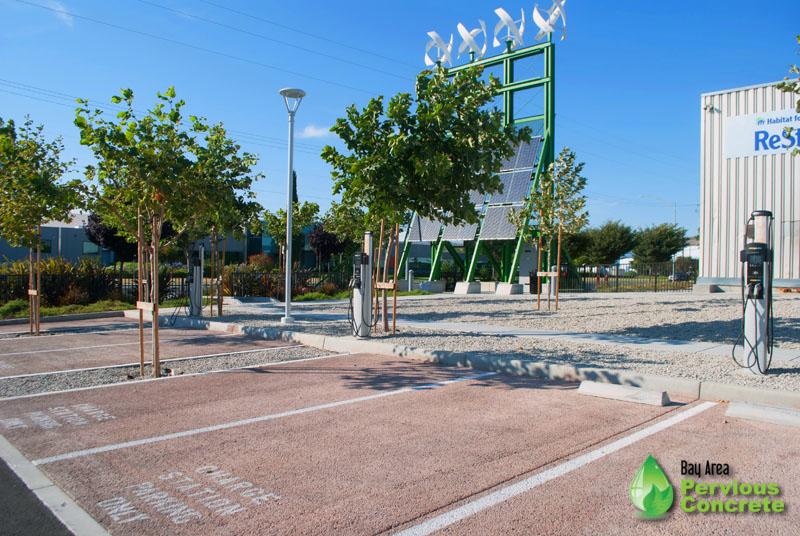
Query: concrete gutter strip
x,y
769,414
65,318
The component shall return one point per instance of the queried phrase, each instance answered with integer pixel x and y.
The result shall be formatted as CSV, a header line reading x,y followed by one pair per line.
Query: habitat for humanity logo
x,y
760,121
650,490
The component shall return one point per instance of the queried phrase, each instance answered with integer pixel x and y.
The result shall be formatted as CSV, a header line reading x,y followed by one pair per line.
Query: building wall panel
x,y
731,188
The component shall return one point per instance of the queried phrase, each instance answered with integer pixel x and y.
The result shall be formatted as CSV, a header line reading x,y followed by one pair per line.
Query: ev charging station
x,y
756,258
360,310
195,282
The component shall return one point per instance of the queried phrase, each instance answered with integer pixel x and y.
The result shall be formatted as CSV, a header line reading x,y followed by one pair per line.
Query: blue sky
x,y
629,77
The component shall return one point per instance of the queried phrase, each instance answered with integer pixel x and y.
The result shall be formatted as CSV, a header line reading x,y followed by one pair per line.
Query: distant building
x,y
65,239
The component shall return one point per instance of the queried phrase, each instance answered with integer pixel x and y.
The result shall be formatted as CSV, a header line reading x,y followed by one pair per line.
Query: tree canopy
x,y
425,152
303,216
31,190
109,238
609,242
658,243
324,243
157,165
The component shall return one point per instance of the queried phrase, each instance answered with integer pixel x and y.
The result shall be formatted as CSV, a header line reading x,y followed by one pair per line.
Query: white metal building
x,y
747,165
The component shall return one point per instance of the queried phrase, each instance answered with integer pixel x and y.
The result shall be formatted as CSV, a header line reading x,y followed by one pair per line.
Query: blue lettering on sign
x,y
765,142
761,139
790,141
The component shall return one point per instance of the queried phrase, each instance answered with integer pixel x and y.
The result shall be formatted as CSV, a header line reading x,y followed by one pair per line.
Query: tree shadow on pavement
x,y
429,376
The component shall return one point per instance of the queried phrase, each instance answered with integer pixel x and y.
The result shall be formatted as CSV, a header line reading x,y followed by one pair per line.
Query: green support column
x,y
456,257
403,257
436,257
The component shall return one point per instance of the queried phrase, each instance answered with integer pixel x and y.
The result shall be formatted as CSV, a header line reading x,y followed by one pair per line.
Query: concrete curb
x,y
63,507
756,395
697,389
768,414
64,318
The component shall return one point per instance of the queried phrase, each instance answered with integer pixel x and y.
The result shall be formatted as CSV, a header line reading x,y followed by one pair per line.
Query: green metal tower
x,y
512,68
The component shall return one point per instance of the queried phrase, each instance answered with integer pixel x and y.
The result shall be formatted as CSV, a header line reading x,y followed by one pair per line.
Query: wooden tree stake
x,y
140,287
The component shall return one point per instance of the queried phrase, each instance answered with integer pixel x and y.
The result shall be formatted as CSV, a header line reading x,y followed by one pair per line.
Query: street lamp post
x,y
292,98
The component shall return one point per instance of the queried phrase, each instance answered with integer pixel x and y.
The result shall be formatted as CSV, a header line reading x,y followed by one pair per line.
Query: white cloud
x,y
61,13
312,131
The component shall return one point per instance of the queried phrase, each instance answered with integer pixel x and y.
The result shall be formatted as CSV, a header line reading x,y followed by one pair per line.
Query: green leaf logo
x,y
650,490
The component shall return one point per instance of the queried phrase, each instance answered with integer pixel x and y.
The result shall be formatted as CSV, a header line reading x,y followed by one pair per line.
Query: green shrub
x,y
328,288
261,262
12,308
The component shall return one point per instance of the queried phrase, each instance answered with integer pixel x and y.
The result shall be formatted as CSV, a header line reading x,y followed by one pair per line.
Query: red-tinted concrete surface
x,y
358,468
595,498
103,348
45,327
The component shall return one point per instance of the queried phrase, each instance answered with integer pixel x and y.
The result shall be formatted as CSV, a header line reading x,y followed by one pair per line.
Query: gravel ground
x,y
88,378
712,318
679,316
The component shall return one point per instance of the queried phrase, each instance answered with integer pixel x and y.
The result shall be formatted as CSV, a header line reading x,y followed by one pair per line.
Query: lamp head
x,y
295,94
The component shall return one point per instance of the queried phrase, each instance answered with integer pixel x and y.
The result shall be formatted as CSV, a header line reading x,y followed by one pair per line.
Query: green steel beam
x,y
436,261
488,250
456,257
404,255
513,87
529,118
500,58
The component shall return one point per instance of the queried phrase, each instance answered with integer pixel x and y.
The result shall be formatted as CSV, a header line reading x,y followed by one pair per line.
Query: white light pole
x,y
292,98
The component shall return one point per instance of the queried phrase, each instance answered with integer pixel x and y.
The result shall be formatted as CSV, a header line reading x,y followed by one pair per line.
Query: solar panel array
x,y
525,157
515,174
496,225
515,187
423,230
477,198
459,232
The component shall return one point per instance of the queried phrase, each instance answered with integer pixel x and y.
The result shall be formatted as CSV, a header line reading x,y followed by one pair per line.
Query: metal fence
x,y
243,284
64,289
636,277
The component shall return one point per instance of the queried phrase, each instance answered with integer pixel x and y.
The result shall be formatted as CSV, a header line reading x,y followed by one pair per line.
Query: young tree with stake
x,y
31,194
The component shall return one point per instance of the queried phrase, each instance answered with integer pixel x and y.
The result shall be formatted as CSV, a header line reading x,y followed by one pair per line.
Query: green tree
x,y
274,225
658,243
609,242
793,87
558,204
31,190
31,193
424,153
224,203
577,245
143,164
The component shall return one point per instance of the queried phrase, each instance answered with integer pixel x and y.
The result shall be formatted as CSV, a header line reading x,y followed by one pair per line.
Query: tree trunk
x,y
156,358
558,266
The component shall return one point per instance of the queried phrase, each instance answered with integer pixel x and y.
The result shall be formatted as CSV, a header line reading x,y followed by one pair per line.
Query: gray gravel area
x,y
45,383
678,316
711,318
